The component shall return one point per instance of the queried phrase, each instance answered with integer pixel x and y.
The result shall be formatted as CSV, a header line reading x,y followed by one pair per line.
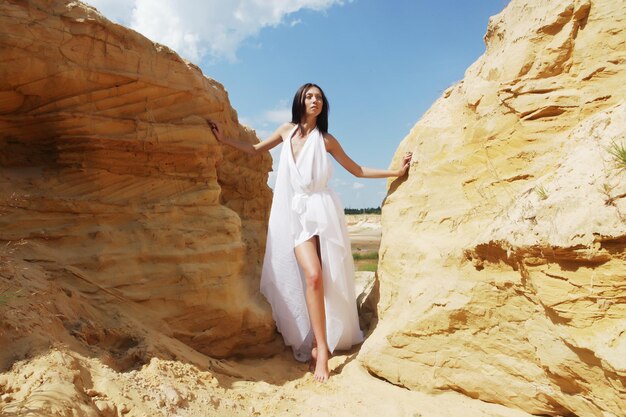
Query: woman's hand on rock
x,y
406,163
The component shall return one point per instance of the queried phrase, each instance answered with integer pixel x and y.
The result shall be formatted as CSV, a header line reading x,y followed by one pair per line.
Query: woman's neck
x,y
307,125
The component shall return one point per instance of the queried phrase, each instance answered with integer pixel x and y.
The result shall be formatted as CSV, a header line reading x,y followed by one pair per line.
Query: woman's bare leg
x,y
308,258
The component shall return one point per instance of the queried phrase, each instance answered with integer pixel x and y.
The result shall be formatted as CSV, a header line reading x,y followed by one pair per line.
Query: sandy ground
x,y
65,383
70,375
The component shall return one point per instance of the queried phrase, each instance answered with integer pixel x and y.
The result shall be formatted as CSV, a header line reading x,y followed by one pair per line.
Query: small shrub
x,y
607,189
541,192
618,151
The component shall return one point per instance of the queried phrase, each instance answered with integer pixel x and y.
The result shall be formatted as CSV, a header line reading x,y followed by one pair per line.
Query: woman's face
x,y
313,101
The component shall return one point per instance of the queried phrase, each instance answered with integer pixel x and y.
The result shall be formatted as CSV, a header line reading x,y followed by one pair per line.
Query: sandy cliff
x,y
502,274
130,241
114,190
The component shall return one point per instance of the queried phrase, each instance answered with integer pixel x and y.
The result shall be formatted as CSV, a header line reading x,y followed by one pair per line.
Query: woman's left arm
x,y
334,148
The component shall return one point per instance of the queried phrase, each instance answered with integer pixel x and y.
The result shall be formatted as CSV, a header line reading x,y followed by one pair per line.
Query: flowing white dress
x,y
303,206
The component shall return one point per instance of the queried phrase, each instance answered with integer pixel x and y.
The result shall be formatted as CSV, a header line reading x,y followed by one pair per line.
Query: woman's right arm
x,y
252,149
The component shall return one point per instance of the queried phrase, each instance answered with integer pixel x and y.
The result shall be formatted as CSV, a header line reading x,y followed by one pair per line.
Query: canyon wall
x,y
129,237
113,189
502,271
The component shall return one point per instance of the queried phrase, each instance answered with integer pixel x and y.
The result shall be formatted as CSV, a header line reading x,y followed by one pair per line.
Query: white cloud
x,y
278,115
266,122
357,185
205,28
337,183
119,11
174,25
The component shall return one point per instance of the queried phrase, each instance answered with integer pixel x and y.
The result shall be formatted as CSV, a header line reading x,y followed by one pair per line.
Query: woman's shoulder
x,y
330,141
285,128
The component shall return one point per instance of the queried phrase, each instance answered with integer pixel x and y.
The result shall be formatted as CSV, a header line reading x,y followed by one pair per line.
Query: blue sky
x,y
381,63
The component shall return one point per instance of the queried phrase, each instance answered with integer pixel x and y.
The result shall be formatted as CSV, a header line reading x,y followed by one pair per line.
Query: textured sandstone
x,y
112,186
502,260
129,237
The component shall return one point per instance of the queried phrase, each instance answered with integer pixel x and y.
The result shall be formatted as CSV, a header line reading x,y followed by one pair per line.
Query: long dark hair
x,y
298,109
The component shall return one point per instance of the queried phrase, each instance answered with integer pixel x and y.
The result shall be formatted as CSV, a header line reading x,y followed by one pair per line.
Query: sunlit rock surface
x,y
503,273
130,241
113,187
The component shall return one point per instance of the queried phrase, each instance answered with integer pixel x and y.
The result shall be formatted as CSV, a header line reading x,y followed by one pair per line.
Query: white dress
x,y
303,206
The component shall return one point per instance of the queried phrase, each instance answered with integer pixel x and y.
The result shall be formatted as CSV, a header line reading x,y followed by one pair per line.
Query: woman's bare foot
x,y
321,365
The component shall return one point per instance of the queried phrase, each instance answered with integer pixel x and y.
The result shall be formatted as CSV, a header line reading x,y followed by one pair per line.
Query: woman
x,y
308,275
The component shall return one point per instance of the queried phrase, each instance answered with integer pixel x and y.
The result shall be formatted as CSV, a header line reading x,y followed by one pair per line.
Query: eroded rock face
x,y
112,184
502,271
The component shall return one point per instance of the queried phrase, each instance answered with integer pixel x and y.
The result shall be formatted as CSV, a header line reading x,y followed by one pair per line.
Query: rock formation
x,y
502,260
114,190
130,240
